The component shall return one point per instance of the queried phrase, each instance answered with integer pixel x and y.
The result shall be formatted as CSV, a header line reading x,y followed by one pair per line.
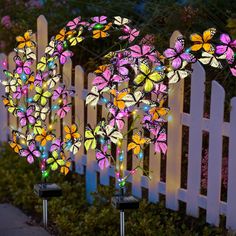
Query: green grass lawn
x,y
72,215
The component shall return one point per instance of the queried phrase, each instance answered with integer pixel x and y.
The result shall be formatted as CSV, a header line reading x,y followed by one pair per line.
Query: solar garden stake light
x,y
122,202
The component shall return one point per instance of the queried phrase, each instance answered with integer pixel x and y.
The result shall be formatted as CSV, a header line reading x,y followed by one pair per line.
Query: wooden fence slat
x,y
11,67
104,175
195,139
215,153
3,111
79,113
231,193
67,77
174,152
91,175
42,35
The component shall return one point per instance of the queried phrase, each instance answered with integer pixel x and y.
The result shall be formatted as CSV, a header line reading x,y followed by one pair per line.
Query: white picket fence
x,y
172,190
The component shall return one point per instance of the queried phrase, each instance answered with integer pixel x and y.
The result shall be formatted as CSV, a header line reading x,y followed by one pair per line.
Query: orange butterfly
x,y
43,138
71,132
203,41
101,69
137,142
65,168
25,41
63,34
101,33
14,145
118,102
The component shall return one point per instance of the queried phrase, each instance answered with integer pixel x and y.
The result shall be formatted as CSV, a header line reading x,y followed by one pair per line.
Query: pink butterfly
x,y
106,79
227,47
63,55
65,108
75,22
40,78
159,139
30,153
149,124
131,34
103,160
63,92
138,51
22,66
177,54
233,70
160,88
98,20
26,117
117,118
20,91
57,145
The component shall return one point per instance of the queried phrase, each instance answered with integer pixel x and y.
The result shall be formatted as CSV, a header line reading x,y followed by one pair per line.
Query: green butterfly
x,y
90,139
41,96
54,161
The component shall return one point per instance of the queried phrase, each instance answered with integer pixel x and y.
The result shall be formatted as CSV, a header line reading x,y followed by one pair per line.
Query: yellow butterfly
x,y
100,69
137,142
42,64
43,138
147,77
54,161
25,41
77,39
71,132
203,41
101,33
41,96
8,102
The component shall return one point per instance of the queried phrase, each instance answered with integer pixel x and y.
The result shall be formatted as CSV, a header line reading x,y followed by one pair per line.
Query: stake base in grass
x,y
47,190
125,202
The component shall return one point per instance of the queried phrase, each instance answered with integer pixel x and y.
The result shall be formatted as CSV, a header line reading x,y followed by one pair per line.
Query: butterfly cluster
x,y
132,85
38,99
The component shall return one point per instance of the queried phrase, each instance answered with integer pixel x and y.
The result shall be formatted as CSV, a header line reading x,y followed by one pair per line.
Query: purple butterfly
x,y
76,22
106,79
63,92
103,160
40,78
117,118
177,54
98,20
64,109
227,47
63,55
160,88
131,34
30,153
120,66
26,117
149,124
20,91
159,139
57,145
22,66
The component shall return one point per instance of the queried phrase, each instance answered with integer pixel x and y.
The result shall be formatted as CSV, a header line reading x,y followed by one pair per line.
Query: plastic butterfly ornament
x,y
137,143
26,116
30,153
130,33
44,137
63,55
25,41
55,161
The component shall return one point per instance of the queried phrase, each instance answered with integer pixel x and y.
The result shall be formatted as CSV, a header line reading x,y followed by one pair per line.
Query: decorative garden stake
x,y
132,85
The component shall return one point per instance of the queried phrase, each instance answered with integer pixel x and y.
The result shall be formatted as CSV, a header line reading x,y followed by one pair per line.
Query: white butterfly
x,y
42,113
93,97
111,133
53,80
209,59
121,21
75,147
50,48
10,85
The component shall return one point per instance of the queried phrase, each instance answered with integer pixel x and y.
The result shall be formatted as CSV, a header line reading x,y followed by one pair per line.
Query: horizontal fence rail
x,y
86,163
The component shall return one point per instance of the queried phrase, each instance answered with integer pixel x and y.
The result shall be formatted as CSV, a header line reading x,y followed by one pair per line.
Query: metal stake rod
x,y
45,213
122,223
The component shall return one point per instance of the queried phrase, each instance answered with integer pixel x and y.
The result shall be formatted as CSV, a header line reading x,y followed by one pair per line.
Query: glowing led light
x,y
59,101
188,50
140,155
23,77
146,108
50,127
30,100
102,141
170,118
121,157
119,143
104,100
158,68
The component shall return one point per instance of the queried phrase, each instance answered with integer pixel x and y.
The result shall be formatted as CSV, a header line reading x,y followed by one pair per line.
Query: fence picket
x,y
215,153
3,113
91,175
11,66
42,35
195,139
174,152
79,113
104,174
231,193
